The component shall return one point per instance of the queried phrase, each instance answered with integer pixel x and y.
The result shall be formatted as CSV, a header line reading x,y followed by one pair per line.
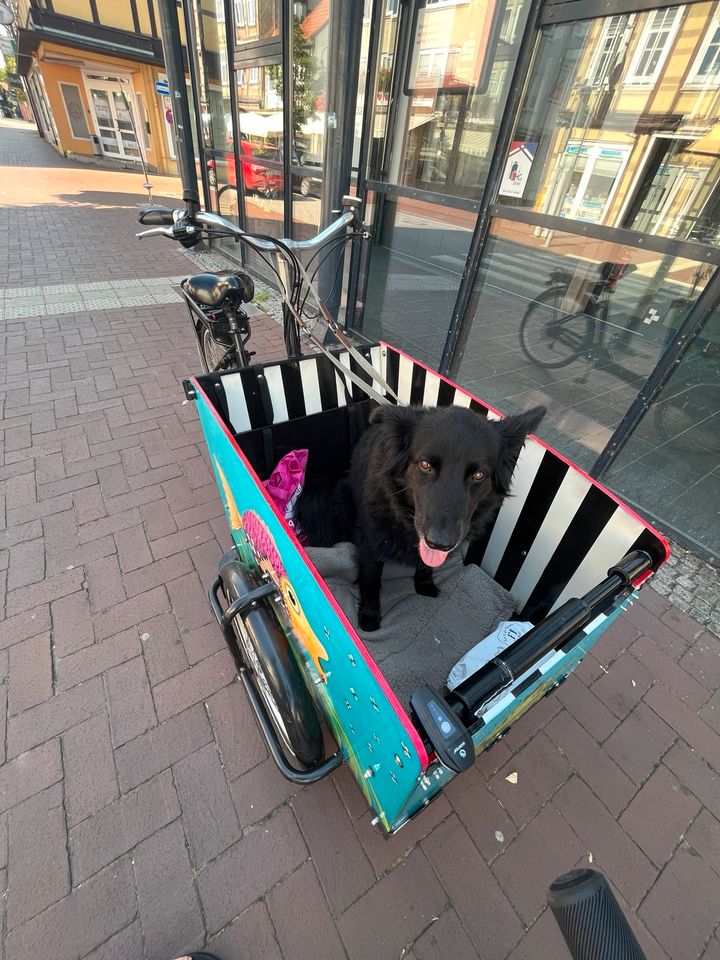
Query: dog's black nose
x,y
437,545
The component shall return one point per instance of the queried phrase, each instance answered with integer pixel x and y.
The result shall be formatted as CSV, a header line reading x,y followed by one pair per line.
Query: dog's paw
x,y
369,620
426,588
424,584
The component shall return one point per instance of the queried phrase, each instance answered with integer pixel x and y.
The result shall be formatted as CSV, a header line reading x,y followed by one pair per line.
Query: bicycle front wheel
x,y
554,332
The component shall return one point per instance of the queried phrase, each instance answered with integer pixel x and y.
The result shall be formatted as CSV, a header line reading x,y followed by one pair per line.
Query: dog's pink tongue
x,y
433,558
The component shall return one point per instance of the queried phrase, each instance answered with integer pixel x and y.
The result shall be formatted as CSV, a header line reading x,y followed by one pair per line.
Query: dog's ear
x,y
398,425
513,431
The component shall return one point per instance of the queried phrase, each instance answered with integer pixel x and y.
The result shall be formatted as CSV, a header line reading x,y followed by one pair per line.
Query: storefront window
x,y
670,466
574,323
452,93
619,126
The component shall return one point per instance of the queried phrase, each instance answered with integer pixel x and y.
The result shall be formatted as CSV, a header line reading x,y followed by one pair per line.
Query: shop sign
x,y
162,87
517,169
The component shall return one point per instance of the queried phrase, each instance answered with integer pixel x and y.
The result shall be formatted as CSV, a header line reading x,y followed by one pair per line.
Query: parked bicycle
x,y
216,301
561,324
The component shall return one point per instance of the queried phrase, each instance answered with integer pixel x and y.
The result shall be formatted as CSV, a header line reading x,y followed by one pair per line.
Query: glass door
x,y
113,119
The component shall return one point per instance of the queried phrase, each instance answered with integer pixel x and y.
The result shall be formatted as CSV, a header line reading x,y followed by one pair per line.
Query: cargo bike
x,y
569,553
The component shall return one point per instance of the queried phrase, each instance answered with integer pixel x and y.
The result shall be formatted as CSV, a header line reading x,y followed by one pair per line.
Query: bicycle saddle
x,y
212,290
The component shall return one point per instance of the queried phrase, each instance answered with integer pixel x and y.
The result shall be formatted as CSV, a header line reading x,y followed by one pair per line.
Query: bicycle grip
x,y
590,918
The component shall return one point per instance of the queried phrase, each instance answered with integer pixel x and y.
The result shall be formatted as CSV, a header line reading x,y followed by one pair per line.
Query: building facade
x,y
94,72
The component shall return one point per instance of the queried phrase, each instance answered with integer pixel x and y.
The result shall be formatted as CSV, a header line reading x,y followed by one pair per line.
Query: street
x,y
140,813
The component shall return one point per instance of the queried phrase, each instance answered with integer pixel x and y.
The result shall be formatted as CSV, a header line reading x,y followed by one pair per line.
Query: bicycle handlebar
x,y
185,225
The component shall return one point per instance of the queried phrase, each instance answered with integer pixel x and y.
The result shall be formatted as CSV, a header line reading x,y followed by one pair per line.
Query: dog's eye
x,y
425,466
479,475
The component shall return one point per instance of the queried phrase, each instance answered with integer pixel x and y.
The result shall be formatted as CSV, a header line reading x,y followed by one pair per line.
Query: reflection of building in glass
x,y
632,135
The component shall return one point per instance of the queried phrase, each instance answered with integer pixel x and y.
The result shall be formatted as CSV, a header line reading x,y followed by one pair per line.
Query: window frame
x,y
632,79
694,79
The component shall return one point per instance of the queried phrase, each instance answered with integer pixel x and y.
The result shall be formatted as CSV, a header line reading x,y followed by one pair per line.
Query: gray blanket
x,y
420,638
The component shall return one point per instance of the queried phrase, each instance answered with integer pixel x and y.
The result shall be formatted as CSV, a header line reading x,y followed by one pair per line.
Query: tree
x,y
303,77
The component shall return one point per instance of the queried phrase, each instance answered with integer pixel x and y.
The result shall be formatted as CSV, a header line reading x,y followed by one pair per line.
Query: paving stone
x,y
546,848
197,683
125,945
249,868
189,602
90,777
38,873
663,636
695,775
132,548
598,770
51,588
105,584
623,686
158,519
481,813
489,919
659,814
342,865
672,676
630,869
702,661
586,708
262,790
130,701
131,612
54,716
162,746
163,648
27,564
30,665
24,625
169,910
524,729
686,626
203,642
541,769
615,640
209,816
74,926
72,624
445,937
346,785
250,935
402,905
97,658
681,909
117,828
640,741
156,573
384,851
291,903
704,837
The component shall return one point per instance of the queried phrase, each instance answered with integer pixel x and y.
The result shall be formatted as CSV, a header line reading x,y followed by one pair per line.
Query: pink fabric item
x,y
286,484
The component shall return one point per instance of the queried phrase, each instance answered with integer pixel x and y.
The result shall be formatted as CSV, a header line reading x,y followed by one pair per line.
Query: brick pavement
x,y
140,815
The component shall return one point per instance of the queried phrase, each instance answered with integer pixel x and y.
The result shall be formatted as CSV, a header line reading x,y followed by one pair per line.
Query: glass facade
x,y
543,196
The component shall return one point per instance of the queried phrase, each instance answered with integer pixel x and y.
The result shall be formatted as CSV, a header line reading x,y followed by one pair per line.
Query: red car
x,y
257,178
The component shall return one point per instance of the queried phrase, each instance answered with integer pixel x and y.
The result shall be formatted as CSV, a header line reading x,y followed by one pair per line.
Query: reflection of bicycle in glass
x,y
687,412
558,327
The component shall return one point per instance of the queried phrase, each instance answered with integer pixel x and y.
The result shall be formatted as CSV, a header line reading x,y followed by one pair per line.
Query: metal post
x,y
174,67
288,23
340,107
708,301
359,265
466,299
195,68
230,47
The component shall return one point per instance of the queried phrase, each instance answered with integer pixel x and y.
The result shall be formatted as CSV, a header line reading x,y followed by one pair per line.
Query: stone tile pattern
x,y
140,814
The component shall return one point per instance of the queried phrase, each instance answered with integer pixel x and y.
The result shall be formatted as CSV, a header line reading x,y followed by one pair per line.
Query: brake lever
x,y
155,232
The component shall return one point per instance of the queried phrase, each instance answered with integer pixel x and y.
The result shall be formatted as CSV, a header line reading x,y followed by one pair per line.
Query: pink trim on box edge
x,y
609,493
374,668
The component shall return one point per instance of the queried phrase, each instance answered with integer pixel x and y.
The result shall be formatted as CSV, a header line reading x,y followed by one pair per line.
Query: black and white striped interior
x,y
556,535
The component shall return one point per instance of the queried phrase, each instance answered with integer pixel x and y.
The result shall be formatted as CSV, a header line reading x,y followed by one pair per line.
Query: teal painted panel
x,y
377,738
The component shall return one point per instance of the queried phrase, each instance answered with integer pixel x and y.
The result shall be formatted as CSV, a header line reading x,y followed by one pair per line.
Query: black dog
x,y
422,481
